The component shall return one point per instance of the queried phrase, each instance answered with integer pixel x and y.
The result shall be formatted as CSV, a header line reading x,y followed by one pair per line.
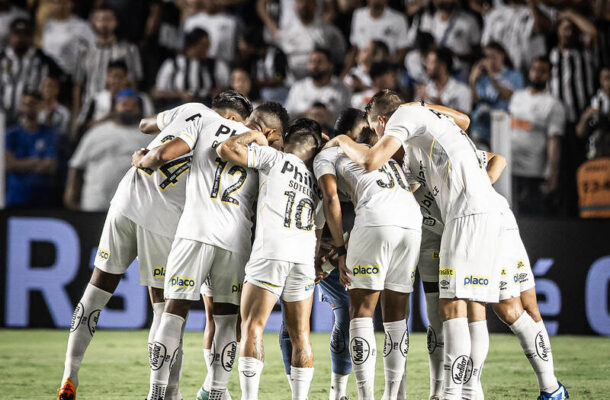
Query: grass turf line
x,y
116,367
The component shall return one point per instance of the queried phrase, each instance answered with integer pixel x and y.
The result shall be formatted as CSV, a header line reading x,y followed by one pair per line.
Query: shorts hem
x,y
297,298
399,288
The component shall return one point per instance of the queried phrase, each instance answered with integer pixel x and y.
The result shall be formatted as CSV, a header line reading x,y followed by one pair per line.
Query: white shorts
x,y
383,257
429,256
468,267
189,264
290,281
123,240
516,273
206,287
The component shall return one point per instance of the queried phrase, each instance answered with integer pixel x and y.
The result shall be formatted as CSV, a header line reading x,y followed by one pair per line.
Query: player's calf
x,y
298,314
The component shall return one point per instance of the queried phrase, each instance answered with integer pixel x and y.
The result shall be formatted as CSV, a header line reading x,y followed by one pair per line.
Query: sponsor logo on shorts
x,y
476,281
227,357
520,264
503,285
516,278
446,271
157,355
459,369
360,350
103,254
412,276
429,221
309,286
159,272
182,282
365,270
236,288
337,341
503,273
444,284
542,348
523,277
435,255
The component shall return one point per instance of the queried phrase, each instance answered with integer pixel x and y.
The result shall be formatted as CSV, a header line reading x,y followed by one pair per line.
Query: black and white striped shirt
x,y
58,118
194,75
572,79
21,74
91,70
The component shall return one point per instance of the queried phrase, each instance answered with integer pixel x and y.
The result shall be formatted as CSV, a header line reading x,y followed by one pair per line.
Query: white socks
x,y
173,384
338,386
249,377
457,356
395,348
301,381
165,349
363,350
436,345
84,321
536,345
207,354
224,348
479,342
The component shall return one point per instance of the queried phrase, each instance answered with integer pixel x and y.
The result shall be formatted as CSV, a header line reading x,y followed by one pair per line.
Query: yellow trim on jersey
x,y
447,174
432,146
395,131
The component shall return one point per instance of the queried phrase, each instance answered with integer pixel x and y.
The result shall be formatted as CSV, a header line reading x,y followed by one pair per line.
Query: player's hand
x,y
274,138
334,142
320,274
136,157
344,273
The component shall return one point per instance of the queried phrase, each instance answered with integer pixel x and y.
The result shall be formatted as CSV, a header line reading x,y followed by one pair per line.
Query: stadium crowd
x,y
76,77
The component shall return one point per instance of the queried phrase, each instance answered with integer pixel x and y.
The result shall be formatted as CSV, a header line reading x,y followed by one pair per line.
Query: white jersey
x,y
219,194
154,199
381,197
453,169
289,207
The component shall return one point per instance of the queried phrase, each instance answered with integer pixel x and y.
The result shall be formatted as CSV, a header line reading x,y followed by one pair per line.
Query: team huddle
x,y
423,200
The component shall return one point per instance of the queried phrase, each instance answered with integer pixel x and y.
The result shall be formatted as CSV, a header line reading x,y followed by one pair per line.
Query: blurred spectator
x,y
90,71
31,156
593,181
104,155
22,67
242,83
358,78
455,29
383,76
99,106
377,21
8,13
519,27
321,86
192,75
306,33
64,34
601,12
596,115
443,88
52,113
415,61
492,83
221,26
537,124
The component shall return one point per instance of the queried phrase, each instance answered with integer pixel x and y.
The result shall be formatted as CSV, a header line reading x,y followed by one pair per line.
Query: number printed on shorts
x,y
305,205
394,174
225,197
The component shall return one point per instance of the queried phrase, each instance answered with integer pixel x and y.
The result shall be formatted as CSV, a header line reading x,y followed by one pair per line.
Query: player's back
x,y
381,197
289,207
219,194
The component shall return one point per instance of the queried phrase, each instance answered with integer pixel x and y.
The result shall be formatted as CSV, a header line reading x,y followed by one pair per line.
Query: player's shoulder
x,y
329,154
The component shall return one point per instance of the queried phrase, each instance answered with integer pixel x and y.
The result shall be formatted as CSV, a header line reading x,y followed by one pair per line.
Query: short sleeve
x,y
262,157
556,120
405,123
324,163
197,110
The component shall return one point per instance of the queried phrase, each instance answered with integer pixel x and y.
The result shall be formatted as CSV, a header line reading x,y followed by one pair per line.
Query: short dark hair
x,y
303,127
21,24
348,119
424,41
325,51
276,109
195,36
366,136
31,93
497,46
233,100
379,69
120,63
445,56
383,104
542,59
106,7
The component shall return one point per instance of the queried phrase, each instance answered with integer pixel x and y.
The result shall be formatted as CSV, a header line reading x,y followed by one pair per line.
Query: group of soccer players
x,y
423,199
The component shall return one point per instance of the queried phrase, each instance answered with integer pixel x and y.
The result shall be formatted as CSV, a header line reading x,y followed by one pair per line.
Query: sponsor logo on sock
x,y
542,348
249,373
476,281
470,372
337,341
447,271
458,369
228,356
182,282
404,343
157,355
174,358
360,350
365,270
387,344
92,321
103,255
77,317
431,340
444,284
159,272
236,288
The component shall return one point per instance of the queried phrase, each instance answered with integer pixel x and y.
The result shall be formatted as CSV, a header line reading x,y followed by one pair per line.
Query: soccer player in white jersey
x,y
463,193
380,260
289,222
141,223
212,238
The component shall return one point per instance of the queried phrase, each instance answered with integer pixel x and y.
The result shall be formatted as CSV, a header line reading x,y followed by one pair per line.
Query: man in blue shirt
x,y
31,158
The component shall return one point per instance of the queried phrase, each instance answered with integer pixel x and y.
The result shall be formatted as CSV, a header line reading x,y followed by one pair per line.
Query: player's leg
x,y
256,306
117,249
285,344
454,314
479,347
208,335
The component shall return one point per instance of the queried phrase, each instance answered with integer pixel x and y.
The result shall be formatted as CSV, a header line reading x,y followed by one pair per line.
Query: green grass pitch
x,y
116,367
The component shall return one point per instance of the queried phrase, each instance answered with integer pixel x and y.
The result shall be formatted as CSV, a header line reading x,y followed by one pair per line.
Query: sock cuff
x,y
297,373
172,323
361,323
522,321
456,321
158,308
477,323
249,363
225,319
402,324
97,292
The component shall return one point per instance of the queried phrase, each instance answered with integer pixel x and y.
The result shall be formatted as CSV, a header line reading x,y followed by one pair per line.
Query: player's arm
x,y
369,158
320,274
160,155
74,187
235,148
149,125
334,220
462,120
495,166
